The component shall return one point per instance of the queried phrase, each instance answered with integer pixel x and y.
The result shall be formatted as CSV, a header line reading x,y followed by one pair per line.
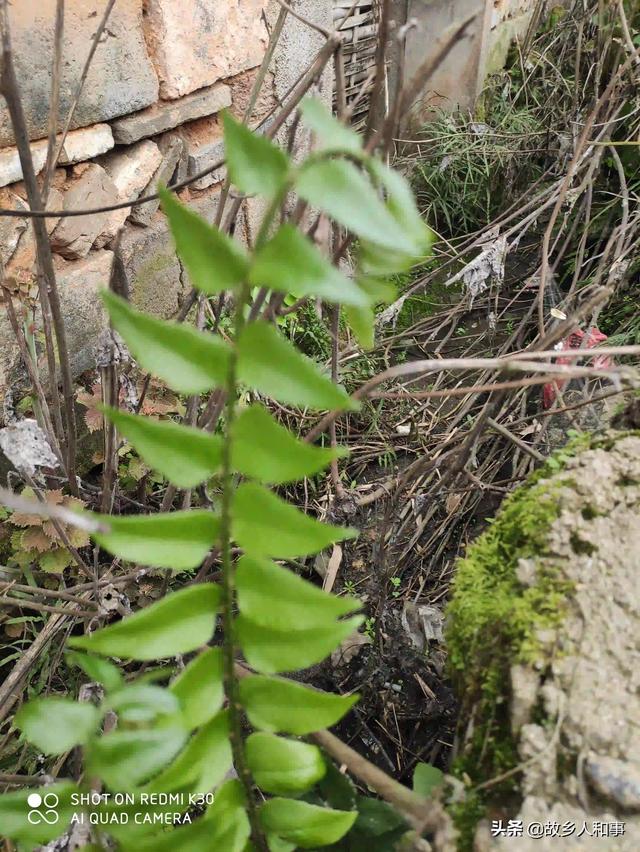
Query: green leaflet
x,y
176,540
254,164
265,525
330,133
281,766
143,702
187,838
265,450
55,725
402,206
100,671
203,762
304,824
185,455
124,759
177,624
362,322
189,361
199,688
214,261
273,366
277,844
426,779
275,704
271,651
290,263
345,194
55,801
276,597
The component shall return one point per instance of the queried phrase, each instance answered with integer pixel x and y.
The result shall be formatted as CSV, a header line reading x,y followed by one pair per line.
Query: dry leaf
x,y
35,539
350,648
452,502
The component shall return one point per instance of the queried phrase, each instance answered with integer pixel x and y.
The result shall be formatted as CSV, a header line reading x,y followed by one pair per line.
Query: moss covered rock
x,y
544,646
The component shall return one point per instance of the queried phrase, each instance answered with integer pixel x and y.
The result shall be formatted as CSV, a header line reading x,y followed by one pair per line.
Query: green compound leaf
x,y
188,360
281,766
290,263
254,164
100,671
186,456
176,624
306,825
203,762
276,597
199,688
125,759
265,525
265,450
176,540
56,725
214,261
345,194
330,133
272,365
55,809
271,651
275,704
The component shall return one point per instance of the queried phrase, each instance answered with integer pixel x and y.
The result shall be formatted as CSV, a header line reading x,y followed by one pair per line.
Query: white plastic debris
x,y
26,446
488,266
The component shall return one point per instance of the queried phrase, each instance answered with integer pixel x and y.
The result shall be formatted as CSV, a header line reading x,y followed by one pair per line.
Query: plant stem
x,y
228,591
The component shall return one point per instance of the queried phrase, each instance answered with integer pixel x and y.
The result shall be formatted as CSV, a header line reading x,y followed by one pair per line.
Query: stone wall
x,y
149,113
460,78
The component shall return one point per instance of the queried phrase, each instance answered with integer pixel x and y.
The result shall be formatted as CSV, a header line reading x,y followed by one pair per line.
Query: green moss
x,y
494,622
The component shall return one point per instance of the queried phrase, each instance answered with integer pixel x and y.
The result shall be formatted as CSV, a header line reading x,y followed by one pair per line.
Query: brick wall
x,y
148,112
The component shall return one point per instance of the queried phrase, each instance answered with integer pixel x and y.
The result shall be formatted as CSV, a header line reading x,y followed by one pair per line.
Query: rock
x,y
86,143
79,284
171,148
578,636
10,168
194,43
524,694
130,170
166,116
78,146
121,78
25,445
618,781
205,147
11,228
422,623
74,236
150,269
21,264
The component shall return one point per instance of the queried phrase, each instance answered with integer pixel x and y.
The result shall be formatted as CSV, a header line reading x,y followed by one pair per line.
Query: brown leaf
x,y
452,502
35,539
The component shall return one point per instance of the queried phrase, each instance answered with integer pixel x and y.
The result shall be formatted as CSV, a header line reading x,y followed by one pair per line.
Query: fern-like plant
x,y
172,746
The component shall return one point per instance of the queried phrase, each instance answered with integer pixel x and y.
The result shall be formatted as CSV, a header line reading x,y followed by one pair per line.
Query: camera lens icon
x,y
43,808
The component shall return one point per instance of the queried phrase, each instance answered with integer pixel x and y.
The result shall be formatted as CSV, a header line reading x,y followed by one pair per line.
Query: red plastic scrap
x,y
575,341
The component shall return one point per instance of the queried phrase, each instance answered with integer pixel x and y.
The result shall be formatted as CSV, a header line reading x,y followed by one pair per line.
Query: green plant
x,y
38,541
174,744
